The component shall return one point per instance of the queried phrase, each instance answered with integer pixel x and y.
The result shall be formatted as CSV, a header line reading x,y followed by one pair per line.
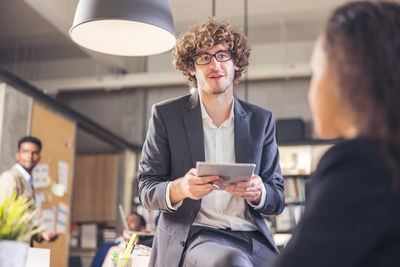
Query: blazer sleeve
x,y
346,214
154,168
270,172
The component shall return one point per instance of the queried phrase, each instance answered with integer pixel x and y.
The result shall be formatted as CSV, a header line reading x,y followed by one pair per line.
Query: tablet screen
x,y
230,172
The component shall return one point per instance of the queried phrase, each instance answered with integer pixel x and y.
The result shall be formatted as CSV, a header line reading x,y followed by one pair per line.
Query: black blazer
x,y
174,144
352,216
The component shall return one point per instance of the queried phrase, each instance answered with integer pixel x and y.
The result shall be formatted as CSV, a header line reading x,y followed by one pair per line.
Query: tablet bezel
x,y
232,173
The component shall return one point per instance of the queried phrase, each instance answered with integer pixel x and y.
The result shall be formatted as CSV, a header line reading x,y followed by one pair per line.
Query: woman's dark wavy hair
x,y
204,36
362,42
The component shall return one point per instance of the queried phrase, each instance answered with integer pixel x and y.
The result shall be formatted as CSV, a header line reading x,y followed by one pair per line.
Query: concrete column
x,y
15,116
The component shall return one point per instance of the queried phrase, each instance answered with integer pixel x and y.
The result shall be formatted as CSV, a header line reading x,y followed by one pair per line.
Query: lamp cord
x,y
246,74
213,8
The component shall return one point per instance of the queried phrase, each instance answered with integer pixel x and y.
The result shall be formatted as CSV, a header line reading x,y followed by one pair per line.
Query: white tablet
x,y
230,172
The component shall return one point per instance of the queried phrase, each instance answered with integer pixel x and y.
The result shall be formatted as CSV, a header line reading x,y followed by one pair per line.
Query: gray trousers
x,y
207,247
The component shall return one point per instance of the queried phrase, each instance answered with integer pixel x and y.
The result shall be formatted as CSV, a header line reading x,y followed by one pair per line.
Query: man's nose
x,y
214,62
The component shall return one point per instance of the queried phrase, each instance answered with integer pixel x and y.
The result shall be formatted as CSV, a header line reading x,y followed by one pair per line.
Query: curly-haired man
x,y
200,225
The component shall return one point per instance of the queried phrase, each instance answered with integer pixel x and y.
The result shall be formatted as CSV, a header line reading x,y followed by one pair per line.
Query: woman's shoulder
x,y
356,151
351,171
354,161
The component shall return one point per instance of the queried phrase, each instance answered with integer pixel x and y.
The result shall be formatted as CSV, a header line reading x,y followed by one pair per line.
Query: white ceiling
x,y
37,30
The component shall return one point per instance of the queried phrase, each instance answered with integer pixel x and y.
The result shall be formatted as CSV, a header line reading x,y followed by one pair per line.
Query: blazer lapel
x,y
242,134
194,129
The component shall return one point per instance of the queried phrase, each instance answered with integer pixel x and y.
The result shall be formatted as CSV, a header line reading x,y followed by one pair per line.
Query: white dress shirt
x,y
27,176
219,209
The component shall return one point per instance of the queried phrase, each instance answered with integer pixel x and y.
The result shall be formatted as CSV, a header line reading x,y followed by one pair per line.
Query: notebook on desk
x,y
38,257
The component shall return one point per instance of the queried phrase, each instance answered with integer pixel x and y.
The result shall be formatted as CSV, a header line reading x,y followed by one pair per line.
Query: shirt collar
x,y
24,173
208,120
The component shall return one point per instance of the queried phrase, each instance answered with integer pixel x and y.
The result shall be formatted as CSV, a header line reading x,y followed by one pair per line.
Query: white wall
x,y
285,98
267,61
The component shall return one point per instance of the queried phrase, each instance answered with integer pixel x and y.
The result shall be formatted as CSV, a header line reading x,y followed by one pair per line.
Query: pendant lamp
x,y
124,27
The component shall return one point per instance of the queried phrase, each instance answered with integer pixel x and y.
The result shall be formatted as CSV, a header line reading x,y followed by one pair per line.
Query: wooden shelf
x,y
304,176
309,142
82,250
299,202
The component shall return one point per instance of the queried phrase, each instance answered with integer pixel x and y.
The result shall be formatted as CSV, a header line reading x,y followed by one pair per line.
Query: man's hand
x,y
251,190
193,186
128,234
49,235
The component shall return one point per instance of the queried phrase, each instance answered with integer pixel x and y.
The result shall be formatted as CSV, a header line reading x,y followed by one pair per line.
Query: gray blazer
x,y
174,144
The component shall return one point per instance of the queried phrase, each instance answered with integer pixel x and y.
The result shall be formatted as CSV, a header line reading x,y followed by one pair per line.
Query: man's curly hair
x,y
204,36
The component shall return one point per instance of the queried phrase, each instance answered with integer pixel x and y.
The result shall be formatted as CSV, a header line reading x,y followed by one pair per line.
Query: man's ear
x,y
192,71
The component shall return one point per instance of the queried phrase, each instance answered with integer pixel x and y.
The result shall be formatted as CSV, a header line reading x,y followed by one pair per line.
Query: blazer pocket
x,y
163,232
161,243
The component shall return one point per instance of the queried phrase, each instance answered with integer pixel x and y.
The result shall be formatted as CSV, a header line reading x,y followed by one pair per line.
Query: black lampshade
x,y
124,27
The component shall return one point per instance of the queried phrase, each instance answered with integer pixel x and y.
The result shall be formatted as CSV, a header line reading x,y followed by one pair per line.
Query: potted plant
x,y
17,225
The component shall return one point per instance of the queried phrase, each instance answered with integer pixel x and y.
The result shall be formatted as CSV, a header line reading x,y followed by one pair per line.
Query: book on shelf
x,y
89,235
296,211
109,235
283,222
74,239
289,218
295,189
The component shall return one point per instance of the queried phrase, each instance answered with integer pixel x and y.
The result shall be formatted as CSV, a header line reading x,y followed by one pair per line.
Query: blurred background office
x,y
91,110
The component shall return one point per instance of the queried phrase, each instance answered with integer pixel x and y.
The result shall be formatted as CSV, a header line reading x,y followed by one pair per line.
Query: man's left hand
x,y
251,190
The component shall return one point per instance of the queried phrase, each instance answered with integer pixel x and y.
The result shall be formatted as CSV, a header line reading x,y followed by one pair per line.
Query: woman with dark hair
x,y
352,217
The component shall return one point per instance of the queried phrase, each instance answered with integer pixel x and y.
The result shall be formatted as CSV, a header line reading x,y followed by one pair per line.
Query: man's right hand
x,y
192,186
50,235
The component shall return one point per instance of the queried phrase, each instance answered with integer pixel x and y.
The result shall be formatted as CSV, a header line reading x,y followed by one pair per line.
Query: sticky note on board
x,y
62,171
58,189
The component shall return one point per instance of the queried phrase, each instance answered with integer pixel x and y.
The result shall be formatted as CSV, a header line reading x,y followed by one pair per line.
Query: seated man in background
x,y
136,223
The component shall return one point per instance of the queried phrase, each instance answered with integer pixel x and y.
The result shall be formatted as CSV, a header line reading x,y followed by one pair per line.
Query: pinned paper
x,y
58,189
48,180
63,174
39,174
40,198
62,217
48,218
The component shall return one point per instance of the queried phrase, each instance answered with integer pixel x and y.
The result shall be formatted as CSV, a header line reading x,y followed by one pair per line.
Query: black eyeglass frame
x,y
231,53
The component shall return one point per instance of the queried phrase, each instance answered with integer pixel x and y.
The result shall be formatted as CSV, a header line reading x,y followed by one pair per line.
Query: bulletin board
x,y
53,177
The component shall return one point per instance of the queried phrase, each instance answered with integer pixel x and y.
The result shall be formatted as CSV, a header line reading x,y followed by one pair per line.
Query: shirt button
x,y
182,243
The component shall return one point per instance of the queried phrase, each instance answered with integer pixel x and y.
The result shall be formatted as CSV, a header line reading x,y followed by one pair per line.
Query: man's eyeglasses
x,y
220,56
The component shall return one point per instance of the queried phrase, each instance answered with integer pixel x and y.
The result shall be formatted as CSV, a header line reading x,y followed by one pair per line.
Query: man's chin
x,y
218,91
28,168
